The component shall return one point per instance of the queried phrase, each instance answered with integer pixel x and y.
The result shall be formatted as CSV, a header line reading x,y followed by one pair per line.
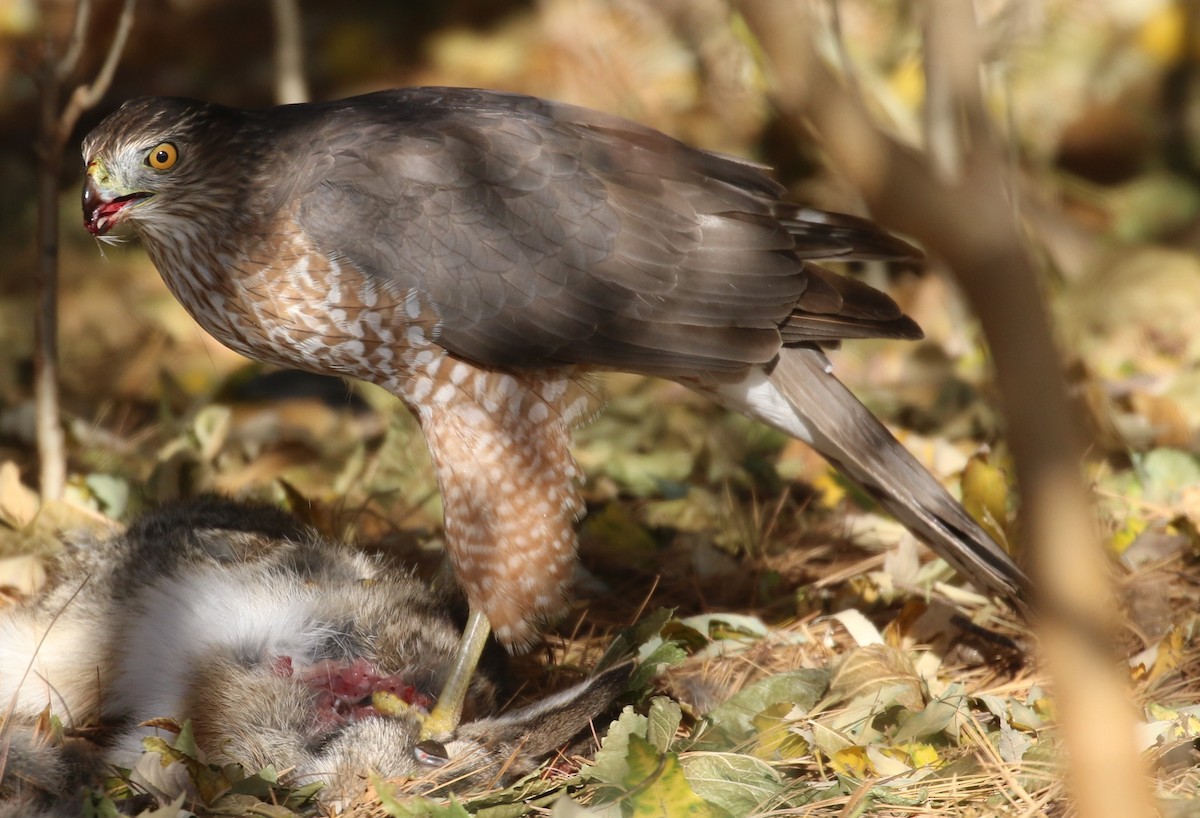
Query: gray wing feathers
x,y
544,234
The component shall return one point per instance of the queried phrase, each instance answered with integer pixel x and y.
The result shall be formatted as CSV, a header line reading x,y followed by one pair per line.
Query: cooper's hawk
x,y
474,252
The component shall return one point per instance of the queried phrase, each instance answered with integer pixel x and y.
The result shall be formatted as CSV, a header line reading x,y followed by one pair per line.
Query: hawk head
x,y
156,161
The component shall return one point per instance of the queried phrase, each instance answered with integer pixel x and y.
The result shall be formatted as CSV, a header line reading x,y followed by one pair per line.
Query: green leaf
x,y
776,739
414,806
566,807
610,766
303,795
264,786
662,721
261,785
245,806
940,715
739,784
503,811
1167,472
211,781
528,789
98,805
657,787
622,539
185,742
732,723
665,655
111,493
1012,744
883,795
627,642
266,810
211,429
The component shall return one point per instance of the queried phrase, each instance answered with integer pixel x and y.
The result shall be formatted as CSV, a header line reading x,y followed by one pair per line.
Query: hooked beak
x,y
101,209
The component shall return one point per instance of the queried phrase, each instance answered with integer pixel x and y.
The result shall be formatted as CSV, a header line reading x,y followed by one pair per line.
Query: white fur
x,y
184,618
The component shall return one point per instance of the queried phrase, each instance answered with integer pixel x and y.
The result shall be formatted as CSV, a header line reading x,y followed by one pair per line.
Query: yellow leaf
x,y
1157,712
1044,707
908,81
1170,654
985,496
920,754
1124,536
851,761
657,786
829,491
776,741
1163,35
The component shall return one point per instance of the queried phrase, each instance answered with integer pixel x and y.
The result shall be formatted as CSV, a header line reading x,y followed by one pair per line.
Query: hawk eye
x,y
162,156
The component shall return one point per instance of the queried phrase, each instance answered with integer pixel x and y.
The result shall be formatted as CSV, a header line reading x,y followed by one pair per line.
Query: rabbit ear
x,y
519,739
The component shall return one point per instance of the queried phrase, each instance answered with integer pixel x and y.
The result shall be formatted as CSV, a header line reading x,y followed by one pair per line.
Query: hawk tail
x,y
801,397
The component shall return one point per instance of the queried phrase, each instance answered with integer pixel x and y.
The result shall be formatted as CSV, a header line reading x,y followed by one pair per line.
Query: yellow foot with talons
x,y
443,720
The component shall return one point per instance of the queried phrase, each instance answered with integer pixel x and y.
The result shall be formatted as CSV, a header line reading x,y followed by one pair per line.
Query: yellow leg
x,y
446,714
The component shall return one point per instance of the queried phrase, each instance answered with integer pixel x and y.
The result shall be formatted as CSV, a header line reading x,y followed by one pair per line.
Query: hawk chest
x,y
283,301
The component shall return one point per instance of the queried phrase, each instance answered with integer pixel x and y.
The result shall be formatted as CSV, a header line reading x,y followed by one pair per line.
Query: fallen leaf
x,y
19,504
656,786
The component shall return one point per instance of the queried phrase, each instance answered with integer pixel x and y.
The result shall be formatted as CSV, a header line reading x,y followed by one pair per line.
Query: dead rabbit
x,y
281,647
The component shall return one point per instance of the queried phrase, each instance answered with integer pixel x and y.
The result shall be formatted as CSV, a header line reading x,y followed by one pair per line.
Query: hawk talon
x,y
445,716
431,753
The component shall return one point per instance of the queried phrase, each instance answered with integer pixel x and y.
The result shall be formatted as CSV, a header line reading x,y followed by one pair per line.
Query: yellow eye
x,y
163,156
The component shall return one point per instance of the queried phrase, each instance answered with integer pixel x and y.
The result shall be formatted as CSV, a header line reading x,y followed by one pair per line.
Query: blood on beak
x,y
101,211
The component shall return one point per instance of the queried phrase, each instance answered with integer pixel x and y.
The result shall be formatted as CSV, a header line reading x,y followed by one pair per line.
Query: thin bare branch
x,y
86,96
69,61
55,128
943,128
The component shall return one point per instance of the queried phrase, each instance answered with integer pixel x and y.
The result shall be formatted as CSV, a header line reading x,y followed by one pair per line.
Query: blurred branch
x,y
961,210
290,85
943,66
69,61
55,127
86,96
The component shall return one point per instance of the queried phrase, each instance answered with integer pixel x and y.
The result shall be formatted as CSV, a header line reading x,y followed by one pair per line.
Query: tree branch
x,y
54,129
963,213
69,61
86,96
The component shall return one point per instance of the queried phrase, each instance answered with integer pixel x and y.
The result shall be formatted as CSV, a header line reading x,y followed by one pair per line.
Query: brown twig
x,y
55,128
962,211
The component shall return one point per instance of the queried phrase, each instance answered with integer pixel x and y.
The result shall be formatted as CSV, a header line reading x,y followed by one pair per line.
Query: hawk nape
x,y
474,252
